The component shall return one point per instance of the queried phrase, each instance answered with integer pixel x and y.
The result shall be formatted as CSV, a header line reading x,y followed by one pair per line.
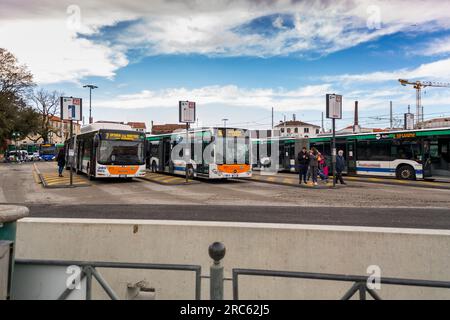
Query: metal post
x,y
391,119
216,252
185,153
272,117
323,129
418,107
333,153
71,158
90,105
362,291
88,272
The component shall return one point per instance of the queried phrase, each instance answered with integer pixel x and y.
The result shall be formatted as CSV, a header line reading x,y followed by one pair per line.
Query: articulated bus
x,y
214,153
106,150
288,148
406,154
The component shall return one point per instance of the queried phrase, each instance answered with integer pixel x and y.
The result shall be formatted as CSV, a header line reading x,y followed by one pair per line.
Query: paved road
x,y
428,218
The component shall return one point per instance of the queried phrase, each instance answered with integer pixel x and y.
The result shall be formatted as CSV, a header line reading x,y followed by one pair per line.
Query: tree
x,y
14,78
46,104
16,81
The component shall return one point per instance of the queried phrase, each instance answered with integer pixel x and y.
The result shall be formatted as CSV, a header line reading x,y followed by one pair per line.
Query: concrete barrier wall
x,y
405,253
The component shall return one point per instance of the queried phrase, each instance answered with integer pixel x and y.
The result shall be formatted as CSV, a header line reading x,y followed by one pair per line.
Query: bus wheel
x,y
406,173
154,166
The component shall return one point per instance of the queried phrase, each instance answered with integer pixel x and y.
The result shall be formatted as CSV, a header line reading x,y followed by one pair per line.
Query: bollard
x,y
216,252
8,217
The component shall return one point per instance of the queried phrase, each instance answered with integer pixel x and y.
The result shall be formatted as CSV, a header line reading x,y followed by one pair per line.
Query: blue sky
x,y
236,59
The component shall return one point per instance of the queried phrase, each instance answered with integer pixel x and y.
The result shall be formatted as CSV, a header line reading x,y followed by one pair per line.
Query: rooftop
x,y
295,123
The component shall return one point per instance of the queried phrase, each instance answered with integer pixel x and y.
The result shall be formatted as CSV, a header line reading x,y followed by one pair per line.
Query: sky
x,y
236,59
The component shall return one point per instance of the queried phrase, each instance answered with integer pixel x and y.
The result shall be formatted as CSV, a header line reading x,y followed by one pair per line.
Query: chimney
x,y
293,117
356,128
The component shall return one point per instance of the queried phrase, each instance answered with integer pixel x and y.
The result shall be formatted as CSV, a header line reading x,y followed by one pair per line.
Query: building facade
x,y
166,128
298,129
61,132
138,126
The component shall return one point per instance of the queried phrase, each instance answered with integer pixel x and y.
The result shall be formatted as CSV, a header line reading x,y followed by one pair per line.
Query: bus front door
x,y
351,157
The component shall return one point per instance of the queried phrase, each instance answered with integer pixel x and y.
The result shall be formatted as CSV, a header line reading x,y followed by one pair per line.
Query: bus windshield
x,y
233,147
47,150
121,152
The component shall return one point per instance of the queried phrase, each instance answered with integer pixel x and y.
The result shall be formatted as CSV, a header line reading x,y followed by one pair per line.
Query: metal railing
x,y
360,283
89,271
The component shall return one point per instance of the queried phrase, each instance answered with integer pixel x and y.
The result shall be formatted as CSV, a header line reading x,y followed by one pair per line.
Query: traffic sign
x,y
187,111
334,106
71,108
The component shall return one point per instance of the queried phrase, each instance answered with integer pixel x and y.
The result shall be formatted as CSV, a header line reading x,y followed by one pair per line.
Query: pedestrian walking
x,y
340,166
61,158
303,163
323,168
314,164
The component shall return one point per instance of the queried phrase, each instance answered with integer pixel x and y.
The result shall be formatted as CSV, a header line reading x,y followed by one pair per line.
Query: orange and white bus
x,y
214,153
107,150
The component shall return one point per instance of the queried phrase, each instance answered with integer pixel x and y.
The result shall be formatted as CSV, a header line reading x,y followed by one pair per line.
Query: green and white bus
x,y
214,153
405,154
286,147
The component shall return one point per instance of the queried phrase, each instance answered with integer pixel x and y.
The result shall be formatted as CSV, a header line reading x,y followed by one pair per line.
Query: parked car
x,y
15,156
35,156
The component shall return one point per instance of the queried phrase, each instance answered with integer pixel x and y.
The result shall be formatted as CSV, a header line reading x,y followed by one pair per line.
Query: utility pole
x,y
391,120
91,87
272,117
323,129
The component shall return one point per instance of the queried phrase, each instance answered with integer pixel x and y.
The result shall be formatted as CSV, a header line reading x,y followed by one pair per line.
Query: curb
x,y
402,183
318,187
44,182
170,184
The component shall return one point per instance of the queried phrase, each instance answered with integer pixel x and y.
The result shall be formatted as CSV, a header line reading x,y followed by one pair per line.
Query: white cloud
x,y
437,47
38,35
436,71
54,53
306,98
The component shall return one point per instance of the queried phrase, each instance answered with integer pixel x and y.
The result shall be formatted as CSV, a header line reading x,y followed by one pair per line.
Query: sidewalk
x,y
50,178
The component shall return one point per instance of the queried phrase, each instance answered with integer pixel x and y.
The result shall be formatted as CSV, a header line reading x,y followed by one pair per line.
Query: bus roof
x,y
391,134
105,125
202,129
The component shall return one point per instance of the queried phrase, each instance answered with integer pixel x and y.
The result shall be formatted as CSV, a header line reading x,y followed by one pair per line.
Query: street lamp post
x,y
225,123
15,136
91,87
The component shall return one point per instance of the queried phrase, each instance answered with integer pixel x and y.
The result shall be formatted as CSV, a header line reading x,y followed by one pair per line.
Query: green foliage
x,y
15,84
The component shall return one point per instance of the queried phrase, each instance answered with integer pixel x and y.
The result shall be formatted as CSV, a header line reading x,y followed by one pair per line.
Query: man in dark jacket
x,y
340,166
61,158
303,163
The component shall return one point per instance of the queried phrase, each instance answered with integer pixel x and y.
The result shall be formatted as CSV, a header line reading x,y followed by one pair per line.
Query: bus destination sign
x,y
405,135
122,136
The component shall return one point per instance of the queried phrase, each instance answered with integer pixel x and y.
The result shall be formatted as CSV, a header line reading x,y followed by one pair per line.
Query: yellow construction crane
x,y
418,85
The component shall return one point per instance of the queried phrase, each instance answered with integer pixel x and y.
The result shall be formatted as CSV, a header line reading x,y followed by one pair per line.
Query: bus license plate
x,y
122,175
